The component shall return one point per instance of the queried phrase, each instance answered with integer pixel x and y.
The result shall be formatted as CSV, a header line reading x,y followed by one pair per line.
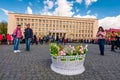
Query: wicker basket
x,y
68,65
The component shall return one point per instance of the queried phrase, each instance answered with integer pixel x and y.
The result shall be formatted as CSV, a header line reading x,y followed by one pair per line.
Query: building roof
x,y
112,29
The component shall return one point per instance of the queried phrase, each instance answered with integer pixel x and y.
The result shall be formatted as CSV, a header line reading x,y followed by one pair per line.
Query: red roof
x,y
112,29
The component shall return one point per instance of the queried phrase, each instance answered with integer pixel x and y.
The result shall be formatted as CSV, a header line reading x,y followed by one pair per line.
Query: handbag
x,y
14,35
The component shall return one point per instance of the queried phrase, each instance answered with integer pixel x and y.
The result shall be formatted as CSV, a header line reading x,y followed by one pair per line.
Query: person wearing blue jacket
x,y
28,36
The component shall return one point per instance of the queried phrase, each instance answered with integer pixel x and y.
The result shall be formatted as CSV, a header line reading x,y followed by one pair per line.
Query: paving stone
x,y
35,64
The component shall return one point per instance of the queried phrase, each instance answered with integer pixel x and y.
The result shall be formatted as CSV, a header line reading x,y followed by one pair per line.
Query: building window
x,y
88,31
46,25
32,20
63,26
88,35
50,25
43,25
53,25
76,35
32,24
39,24
82,35
21,19
36,20
82,31
36,24
21,24
25,19
47,21
17,19
43,21
79,35
50,21
91,35
28,20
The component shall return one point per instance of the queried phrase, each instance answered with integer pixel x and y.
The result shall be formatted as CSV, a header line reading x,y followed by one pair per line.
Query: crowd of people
x,y
6,39
30,39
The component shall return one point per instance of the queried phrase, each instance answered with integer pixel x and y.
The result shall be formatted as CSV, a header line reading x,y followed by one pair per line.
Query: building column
x,y
59,35
62,34
55,36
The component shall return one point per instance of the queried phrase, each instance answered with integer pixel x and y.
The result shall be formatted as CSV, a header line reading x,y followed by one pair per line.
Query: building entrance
x,y
56,33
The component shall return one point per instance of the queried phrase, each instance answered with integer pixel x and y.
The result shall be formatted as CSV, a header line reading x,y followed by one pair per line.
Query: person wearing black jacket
x,y
28,36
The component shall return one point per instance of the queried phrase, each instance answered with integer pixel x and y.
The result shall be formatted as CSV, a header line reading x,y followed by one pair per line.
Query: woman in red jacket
x,y
8,39
1,38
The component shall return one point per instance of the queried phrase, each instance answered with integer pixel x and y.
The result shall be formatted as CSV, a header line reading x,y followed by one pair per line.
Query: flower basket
x,y
68,64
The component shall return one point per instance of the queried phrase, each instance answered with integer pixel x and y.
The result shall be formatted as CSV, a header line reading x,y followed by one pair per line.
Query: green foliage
x,y
68,51
85,51
77,49
60,50
54,49
3,27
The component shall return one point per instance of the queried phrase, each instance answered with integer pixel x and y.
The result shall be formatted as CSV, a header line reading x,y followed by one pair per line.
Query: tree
x,y
3,27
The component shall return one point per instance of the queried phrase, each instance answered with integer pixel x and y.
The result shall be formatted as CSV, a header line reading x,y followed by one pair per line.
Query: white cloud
x,y
89,2
86,16
45,9
5,11
77,10
89,11
64,8
30,3
70,3
49,4
29,10
110,22
47,13
79,1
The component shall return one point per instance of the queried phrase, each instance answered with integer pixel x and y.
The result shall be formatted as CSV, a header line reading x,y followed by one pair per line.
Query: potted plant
x,y
68,60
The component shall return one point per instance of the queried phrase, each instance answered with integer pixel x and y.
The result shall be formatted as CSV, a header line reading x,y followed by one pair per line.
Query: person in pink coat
x,y
101,35
17,34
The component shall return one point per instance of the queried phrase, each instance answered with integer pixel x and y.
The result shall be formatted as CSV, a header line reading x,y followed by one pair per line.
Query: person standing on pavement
x,y
101,34
28,36
113,40
1,38
17,34
8,37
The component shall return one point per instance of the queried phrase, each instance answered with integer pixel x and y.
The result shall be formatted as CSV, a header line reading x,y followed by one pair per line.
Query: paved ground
x,y
35,65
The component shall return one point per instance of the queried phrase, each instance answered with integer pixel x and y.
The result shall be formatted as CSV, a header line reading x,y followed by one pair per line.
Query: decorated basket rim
x,y
69,58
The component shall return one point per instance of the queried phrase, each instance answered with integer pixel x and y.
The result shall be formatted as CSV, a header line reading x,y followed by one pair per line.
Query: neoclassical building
x,y
70,27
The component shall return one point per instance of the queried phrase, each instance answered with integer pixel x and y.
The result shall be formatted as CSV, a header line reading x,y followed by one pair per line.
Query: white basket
x,y
68,65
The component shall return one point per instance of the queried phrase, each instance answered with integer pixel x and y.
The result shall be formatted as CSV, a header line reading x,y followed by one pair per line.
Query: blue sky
x,y
106,11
